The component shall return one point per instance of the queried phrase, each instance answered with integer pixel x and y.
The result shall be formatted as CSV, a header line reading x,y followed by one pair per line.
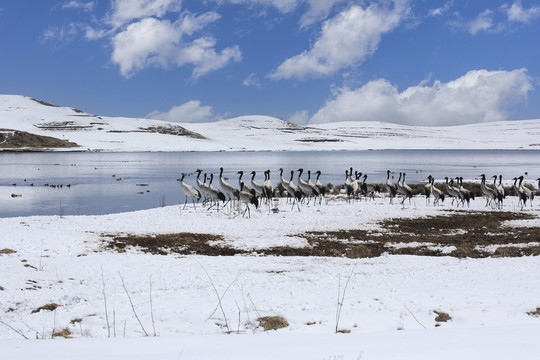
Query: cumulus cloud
x,y
125,11
316,9
347,39
478,96
60,34
252,80
79,5
517,13
192,111
482,22
299,117
442,10
497,20
157,42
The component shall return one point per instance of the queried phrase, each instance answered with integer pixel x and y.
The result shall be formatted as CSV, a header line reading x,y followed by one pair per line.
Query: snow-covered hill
x,y
251,133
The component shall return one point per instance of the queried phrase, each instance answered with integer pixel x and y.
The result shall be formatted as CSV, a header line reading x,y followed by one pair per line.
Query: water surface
x,y
103,183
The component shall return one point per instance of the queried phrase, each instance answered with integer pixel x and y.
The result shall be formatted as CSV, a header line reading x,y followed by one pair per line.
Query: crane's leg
x,y
193,203
185,204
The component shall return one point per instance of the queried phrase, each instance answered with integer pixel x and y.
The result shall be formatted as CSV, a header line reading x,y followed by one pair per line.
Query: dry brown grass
x,y
442,316
48,307
535,313
272,322
163,244
22,139
63,333
7,251
467,231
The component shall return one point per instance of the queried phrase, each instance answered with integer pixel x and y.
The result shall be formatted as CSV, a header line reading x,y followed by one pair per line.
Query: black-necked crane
x,y
190,191
522,198
285,184
320,187
355,183
203,186
247,198
451,190
246,186
313,187
404,189
348,184
489,193
465,195
499,189
528,193
298,193
370,188
427,189
227,188
267,185
216,193
437,194
255,185
390,187
304,186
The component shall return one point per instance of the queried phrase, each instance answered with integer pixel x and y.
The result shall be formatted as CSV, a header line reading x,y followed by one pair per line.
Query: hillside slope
x,y
250,133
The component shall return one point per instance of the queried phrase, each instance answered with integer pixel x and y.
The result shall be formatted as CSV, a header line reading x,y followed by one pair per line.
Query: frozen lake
x,y
103,183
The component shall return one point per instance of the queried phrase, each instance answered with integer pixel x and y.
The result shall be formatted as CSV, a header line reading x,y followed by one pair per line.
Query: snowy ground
x,y
389,304
253,133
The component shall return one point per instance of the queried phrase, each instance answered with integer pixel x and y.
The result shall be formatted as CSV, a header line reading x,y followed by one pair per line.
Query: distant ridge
x,y
246,133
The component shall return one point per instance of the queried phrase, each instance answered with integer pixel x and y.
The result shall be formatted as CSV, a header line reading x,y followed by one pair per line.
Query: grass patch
x,y
460,234
14,139
48,307
272,322
64,333
177,243
442,316
7,251
535,313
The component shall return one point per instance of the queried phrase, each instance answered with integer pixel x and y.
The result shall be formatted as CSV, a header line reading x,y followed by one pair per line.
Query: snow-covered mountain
x,y
248,133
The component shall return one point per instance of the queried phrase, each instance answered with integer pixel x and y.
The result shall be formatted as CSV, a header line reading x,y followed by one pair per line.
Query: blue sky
x,y
420,62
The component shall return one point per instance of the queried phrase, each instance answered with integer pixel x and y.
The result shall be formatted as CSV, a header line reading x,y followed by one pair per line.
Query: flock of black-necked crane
x,y
355,186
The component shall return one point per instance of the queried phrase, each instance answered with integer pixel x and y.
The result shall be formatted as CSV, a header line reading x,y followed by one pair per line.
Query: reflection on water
x,y
102,183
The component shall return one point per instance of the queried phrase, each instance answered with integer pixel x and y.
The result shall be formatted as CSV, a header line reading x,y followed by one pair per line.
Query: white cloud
x,y
192,111
155,42
442,10
79,5
60,34
345,40
478,96
517,13
483,22
125,11
251,80
316,9
299,117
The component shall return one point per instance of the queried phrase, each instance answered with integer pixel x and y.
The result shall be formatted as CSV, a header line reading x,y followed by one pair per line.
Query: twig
x,y
414,317
41,256
217,295
132,306
223,295
152,308
238,307
340,301
12,328
105,302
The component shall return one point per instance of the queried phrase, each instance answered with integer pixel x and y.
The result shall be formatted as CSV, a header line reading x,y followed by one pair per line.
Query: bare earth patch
x,y
14,139
272,322
48,307
457,233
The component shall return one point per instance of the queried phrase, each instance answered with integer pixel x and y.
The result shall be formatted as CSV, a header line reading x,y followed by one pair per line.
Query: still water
x,y
104,183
